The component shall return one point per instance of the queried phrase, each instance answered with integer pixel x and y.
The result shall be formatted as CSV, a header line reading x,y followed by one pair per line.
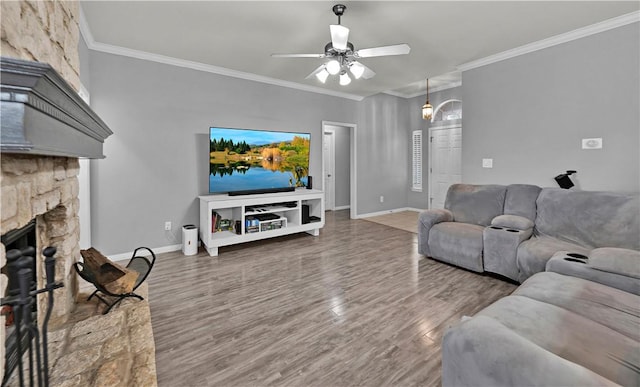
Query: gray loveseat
x,y
514,230
455,234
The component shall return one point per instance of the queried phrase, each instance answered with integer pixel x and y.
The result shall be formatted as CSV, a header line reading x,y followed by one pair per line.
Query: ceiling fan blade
x,y
297,55
314,72
368,73
339,36
396,49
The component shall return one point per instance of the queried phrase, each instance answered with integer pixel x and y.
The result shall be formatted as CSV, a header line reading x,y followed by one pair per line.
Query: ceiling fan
x,y
342,55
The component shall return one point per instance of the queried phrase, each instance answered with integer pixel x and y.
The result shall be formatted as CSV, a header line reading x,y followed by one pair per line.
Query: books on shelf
x,y
220,224
215,221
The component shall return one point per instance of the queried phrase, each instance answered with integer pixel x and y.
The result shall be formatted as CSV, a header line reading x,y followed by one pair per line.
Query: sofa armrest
x,y
616,260
500,248
512,221
572,264
483,352
426,220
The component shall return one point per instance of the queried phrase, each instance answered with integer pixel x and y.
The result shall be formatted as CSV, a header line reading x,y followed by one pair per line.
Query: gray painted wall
x,y
421,199
529,114
540,104
343,165
83,53
157,158
383,160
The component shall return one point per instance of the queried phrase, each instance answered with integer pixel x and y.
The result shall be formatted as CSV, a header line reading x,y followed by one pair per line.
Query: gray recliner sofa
x,y
455,234
575,324
514,230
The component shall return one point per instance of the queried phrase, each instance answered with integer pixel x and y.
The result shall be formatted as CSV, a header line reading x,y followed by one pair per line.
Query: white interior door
x,y
446,162
328,157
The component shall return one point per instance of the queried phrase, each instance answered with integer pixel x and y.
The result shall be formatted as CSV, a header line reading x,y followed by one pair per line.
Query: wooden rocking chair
x,y
105,273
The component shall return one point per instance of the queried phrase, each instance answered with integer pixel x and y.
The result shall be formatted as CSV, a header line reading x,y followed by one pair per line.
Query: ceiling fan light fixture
x,y
357,69
340,54
322,75
333,67
344,79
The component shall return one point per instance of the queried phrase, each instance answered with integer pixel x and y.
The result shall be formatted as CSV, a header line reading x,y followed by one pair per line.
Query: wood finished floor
x,y
355,306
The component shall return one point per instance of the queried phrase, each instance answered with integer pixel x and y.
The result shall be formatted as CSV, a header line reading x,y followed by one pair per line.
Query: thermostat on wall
x,y
592,143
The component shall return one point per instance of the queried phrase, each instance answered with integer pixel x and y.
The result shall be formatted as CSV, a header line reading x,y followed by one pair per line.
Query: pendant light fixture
x,y
427,109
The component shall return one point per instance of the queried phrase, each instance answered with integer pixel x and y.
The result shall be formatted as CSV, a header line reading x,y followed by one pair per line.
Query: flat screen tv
x,y
247,161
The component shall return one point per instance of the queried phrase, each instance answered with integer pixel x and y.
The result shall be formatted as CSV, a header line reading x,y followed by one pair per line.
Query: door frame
x,y
332,149
353,187
430,175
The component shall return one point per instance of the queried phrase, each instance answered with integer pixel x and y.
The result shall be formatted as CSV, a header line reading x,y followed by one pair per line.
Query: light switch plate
x,y
592,143
487,163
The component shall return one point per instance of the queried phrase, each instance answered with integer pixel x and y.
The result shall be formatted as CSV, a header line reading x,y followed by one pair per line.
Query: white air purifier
x,y
189,239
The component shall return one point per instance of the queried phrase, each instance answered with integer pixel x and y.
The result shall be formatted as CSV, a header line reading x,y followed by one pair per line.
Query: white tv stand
x,y
239,208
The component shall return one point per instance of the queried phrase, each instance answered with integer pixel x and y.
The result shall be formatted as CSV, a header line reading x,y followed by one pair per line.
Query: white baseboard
x,y
341,208
157,250
370,214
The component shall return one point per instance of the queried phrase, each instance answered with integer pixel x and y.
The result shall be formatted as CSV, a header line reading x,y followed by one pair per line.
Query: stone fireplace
x,y
32,190
46,127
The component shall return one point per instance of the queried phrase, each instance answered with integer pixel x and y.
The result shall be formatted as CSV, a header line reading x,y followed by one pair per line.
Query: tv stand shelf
x,y
287,206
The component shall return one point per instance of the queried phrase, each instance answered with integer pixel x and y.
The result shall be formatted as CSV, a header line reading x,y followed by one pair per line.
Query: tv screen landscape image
x,y
254,160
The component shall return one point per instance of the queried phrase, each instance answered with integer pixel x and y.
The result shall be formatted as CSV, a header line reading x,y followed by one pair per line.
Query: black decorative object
x,y
25,338
564,181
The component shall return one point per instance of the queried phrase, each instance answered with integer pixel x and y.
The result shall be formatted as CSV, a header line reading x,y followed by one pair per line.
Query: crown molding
x,y
85,31
394,93
445,86
633,17
436,89
137,54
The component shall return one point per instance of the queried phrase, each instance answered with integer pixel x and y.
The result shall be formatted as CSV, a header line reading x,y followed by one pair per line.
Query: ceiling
x,y
241,35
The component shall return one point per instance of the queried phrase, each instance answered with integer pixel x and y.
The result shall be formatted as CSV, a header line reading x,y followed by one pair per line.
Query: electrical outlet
x,y
592,143
381,199
167,226
487,163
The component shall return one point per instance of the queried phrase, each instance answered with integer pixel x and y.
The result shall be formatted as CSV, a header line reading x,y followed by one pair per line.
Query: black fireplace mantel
x,y
41,114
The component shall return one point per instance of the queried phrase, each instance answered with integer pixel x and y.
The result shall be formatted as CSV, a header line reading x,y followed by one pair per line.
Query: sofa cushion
x,y
483,352
571,336
520,200
590,219
457,243
613,308
512,221
534,253
616,260
475,204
